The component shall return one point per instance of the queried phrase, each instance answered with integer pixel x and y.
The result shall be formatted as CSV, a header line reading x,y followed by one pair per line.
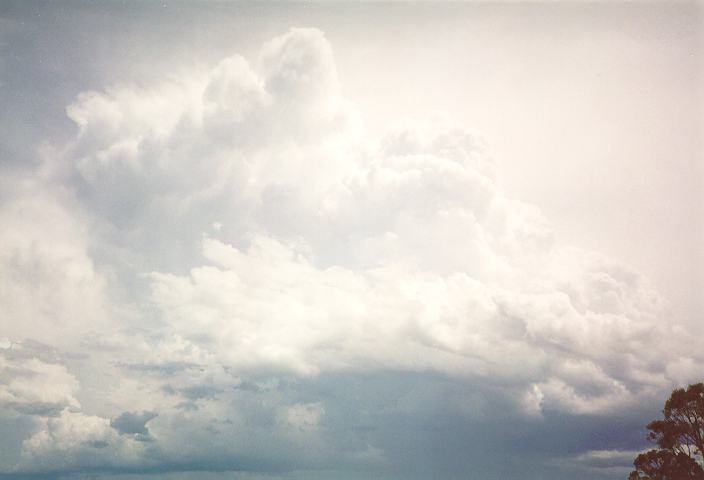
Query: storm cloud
x,y
221,270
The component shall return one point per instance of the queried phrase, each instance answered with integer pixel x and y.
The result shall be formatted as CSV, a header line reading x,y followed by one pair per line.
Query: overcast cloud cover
x,y
219,272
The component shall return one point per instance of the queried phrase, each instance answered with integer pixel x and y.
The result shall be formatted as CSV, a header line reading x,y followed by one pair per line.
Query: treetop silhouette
x,y
680,438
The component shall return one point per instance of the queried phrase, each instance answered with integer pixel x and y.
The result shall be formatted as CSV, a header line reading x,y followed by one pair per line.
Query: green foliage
x,y
680,438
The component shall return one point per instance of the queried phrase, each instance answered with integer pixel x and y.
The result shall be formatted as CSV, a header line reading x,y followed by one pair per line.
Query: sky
x,y
328,240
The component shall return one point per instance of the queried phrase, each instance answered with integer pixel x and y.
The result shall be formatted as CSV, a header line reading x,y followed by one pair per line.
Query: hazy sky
x,y
346,240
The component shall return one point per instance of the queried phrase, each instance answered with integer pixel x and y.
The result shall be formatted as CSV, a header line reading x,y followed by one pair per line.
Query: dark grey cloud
x,y
133,423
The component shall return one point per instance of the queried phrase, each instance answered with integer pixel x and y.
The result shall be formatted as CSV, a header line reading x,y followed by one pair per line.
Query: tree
x,y
680,438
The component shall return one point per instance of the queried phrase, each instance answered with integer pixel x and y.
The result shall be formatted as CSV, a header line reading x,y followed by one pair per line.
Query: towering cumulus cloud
x,y
222,272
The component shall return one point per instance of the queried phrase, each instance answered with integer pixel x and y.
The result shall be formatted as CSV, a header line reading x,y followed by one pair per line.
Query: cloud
x,y
223,250
32,386
303,416
132,423
49,288
608,458
606,462
75,440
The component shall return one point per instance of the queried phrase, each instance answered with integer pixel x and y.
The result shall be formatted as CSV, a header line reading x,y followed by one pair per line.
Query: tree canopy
x,y
680,438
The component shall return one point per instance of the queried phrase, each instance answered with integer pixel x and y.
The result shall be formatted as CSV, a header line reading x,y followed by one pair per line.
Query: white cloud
x,y
604,462
32,386
75,440
302,416
49,289
338,255
244,226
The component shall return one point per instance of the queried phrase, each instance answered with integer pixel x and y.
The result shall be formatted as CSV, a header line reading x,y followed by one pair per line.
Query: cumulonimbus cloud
x,y
272,236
